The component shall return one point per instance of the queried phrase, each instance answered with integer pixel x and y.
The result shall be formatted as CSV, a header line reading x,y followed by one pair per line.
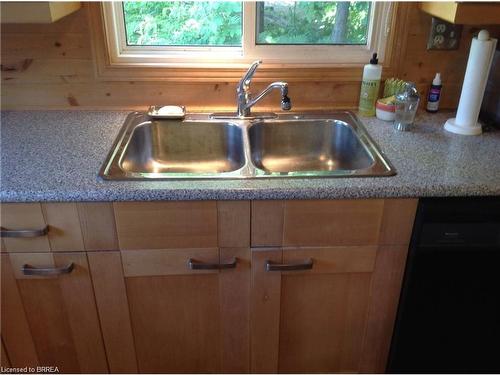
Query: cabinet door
x,y
49,316
182,318
309,308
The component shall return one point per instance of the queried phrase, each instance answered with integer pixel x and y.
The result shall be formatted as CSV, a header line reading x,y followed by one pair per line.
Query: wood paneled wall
x,y
51,66
420,65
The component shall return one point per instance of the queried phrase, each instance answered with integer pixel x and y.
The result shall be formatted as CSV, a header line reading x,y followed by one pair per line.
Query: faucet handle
x,y
245,81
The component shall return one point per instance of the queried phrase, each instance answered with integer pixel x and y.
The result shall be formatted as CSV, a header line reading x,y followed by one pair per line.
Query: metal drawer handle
x,y
23,233
307,265
195,265
33,271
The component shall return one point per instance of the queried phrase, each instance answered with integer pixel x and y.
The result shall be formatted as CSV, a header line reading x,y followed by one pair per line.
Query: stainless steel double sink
x,y
331,144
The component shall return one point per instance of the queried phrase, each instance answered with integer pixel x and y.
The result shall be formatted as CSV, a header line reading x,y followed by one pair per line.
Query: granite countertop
x,y
56,156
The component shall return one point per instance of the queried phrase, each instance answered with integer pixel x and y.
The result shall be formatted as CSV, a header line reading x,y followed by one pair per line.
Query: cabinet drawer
x,y
163,225
317,223
161,262
332,223
356,259
35,227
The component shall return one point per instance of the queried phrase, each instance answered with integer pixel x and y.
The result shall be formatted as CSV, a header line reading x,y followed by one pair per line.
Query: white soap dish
x,y
167,111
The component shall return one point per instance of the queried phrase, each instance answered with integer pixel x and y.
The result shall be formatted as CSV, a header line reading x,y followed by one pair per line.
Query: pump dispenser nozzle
x,y
437,79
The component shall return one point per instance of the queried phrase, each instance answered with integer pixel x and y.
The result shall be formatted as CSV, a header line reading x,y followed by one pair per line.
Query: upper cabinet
x,y
464,13
37,12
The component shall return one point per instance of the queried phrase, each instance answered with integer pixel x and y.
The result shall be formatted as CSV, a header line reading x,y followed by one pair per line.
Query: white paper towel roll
x,y
480,58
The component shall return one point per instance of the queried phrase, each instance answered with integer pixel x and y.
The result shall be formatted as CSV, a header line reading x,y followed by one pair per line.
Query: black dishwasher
x,y
449,312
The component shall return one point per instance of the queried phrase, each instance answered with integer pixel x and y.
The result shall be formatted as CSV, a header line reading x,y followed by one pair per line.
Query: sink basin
x,y
183,147
152,149
333,144
307,145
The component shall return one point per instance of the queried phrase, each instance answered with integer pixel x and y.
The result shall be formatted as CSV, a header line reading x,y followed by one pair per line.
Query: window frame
x,y
121,55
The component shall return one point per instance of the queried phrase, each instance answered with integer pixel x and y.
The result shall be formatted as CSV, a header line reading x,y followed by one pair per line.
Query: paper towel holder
x,y
452,126
466,122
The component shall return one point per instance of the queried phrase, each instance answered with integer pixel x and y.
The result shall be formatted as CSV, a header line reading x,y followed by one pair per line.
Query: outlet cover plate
x,y
443,35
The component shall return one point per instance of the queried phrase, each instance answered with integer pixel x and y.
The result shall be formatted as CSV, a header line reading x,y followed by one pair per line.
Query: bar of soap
x,y
170,110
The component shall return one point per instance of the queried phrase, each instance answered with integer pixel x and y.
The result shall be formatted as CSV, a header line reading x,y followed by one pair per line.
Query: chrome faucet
x,y
245,100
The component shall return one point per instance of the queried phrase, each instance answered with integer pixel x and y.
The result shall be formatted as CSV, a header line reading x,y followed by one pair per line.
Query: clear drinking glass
x,y
406,107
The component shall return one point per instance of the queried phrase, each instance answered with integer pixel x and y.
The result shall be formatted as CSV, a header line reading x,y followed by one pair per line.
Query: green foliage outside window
x,y
313,22
213,23
219,23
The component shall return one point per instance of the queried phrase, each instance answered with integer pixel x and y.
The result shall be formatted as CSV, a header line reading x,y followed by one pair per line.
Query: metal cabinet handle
x,y
34,271
307,265
195,265
23,233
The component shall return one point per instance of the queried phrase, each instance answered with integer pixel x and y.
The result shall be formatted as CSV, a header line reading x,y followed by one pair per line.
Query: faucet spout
x,y
246,102
285,100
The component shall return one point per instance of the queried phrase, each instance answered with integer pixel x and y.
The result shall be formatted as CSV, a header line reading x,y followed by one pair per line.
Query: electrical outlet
x,y
443,35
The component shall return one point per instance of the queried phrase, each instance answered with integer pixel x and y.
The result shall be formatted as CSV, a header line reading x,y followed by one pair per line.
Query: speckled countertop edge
x,y
56,155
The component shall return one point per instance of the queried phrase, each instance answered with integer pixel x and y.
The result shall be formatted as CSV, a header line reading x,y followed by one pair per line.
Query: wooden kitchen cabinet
x,y
159,315
336,316
51,320
133,303
464,13
180,319
37,12
314,320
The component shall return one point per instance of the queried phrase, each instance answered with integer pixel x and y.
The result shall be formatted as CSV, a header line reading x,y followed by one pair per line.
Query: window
x,y
188,23
312,22
225,33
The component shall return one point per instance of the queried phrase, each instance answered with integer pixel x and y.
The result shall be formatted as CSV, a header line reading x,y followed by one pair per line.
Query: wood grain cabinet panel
x,y
61,219
316,223
65,233
162,225
397,222
16,333
384,298
233,223
332,223
4,358
24,216
143,308
464,13
313,320
267,223
97,220
112,303
33,12
182,320
339,315
358,222
59,312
